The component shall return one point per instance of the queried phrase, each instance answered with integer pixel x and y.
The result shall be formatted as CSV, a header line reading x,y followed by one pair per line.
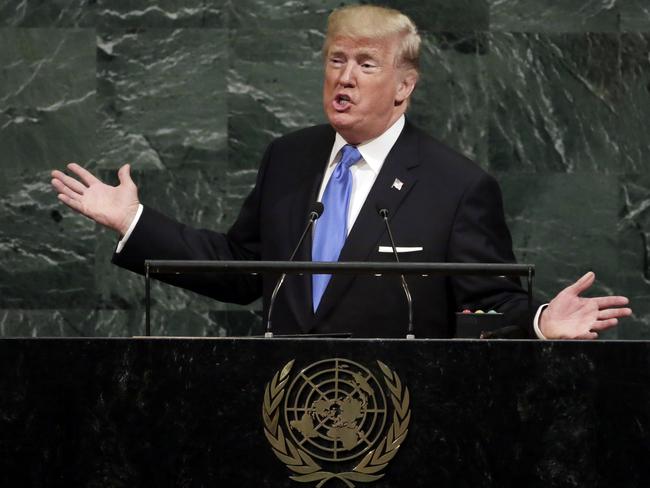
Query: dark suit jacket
x,y
447,205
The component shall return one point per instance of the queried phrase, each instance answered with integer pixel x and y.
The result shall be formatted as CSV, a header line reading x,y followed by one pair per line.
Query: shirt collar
x,y
374,151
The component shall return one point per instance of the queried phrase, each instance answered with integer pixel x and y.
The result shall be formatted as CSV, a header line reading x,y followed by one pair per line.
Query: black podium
x,y
329,412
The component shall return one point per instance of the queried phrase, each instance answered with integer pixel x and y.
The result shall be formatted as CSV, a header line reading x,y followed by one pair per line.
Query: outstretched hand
x,y
111,206
570,316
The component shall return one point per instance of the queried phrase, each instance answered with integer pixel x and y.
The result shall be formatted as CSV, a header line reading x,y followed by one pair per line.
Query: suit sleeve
x,y
480,235
159,237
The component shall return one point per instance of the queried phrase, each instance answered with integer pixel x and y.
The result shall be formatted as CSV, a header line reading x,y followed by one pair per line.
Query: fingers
x,y
609,302
604,324
124,174
65,190
614,313
588,336
582,284
606,319
65,180
86,176
71,202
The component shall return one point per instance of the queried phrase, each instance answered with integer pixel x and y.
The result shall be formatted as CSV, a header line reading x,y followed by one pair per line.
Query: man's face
x,y
364,91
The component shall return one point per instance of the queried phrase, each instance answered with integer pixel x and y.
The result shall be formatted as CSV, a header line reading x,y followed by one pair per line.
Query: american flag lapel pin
x,y
397,184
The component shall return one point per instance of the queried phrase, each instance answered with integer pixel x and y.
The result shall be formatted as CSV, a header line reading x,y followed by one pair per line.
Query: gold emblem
x,y
334,413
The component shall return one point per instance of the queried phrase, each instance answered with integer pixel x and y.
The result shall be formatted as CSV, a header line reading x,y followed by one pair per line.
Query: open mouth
x,y
342,102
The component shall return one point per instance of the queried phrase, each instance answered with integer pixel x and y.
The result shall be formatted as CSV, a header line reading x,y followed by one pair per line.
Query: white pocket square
x,y
400,249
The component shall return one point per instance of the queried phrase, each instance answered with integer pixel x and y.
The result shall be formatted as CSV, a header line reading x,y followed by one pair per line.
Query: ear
x,y
406,85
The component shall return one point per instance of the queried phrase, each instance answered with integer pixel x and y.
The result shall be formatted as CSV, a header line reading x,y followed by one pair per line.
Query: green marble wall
x,y
551,97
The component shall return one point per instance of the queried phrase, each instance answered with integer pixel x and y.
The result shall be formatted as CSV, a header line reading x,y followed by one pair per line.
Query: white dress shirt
x,y
365,171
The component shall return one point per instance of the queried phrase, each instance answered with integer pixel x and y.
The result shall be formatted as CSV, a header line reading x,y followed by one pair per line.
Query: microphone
x,y
315,212
383,213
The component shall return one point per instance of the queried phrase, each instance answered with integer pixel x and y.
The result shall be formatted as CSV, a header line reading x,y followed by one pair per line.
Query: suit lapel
x,y
369,226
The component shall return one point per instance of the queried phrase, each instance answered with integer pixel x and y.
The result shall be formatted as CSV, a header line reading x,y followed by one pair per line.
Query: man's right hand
x,y
114,207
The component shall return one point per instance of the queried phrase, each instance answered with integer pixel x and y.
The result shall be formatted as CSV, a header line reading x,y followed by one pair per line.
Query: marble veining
x,y
550,97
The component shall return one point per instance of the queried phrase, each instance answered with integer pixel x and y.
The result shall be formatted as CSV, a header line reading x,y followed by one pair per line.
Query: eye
x,y
368,66
336,61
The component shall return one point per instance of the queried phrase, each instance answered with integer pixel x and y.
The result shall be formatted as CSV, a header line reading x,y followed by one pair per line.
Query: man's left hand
x,y
570,316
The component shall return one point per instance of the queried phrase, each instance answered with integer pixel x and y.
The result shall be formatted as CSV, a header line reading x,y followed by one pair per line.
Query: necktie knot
x,y
349,156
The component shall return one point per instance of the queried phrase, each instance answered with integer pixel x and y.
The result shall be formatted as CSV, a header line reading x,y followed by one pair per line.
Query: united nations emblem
x,y
334,413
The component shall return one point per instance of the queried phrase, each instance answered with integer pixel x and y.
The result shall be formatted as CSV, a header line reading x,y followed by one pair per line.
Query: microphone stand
x,y
314,214
383,212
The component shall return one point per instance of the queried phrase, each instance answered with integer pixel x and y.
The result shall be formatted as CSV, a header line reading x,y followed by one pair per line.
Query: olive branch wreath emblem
x,y
303,465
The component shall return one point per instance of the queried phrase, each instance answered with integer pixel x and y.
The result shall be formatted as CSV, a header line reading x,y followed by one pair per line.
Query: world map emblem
x,y
336,419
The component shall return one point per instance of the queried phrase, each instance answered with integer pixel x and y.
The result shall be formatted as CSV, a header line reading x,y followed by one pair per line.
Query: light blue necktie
x,y
332,227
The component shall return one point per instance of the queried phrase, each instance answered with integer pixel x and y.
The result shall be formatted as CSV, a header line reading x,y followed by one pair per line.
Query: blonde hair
x,y
373,22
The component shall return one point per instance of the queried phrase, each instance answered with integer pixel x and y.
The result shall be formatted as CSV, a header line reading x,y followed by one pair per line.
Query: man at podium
x,y
441,206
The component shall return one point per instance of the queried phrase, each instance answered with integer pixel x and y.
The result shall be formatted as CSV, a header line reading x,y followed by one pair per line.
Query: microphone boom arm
x,y
409,334
316,211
